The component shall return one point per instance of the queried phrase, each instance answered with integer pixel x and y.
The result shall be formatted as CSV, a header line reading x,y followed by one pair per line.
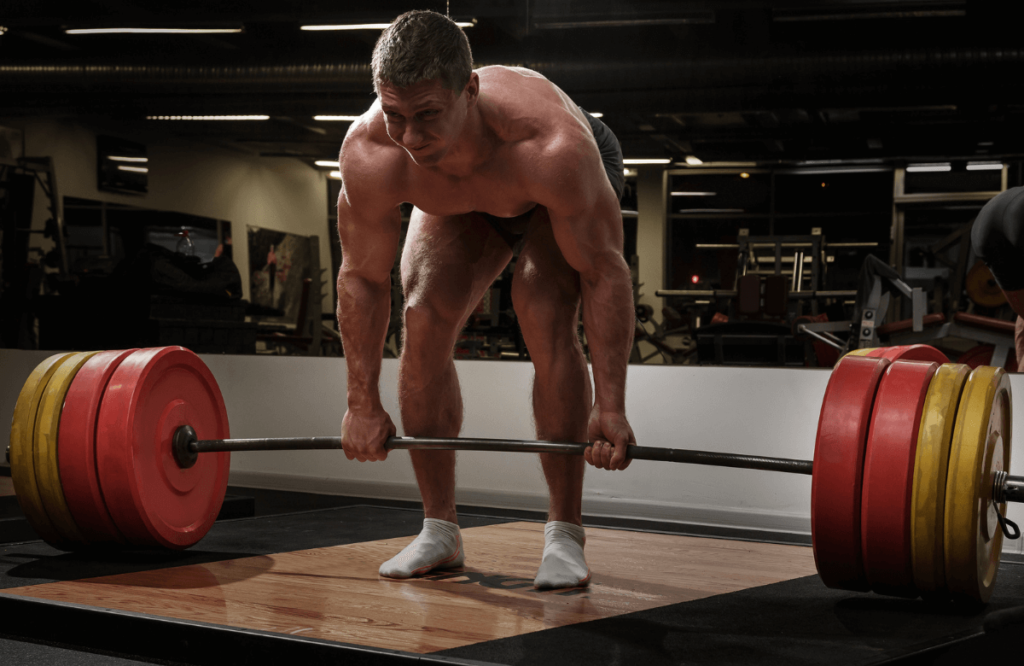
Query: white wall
x,y
198,179
764,411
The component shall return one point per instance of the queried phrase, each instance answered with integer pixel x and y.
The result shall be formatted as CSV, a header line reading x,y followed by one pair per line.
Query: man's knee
x,y
546,316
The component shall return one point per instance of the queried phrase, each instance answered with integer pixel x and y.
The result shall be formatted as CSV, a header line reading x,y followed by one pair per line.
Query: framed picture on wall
x,y
278,263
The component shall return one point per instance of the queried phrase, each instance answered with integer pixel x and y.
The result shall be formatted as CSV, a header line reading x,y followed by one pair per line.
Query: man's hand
x,y
363,434
609,434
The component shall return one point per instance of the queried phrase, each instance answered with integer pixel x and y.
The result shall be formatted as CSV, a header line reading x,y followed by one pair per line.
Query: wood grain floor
x,y
335,593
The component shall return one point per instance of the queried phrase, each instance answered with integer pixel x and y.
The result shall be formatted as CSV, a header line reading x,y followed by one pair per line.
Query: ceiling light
x,y
693,160
984,166
207,117
122,158
929,168
596,114
369,26
133,169
744,175
335,174
825,170
706,17
327,163
336,118
711,210
2,29
151,31
800,14
646,161
694,194
628,172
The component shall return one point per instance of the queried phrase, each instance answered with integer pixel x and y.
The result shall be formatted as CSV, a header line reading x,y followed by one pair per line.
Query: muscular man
x,y
998,239
490,159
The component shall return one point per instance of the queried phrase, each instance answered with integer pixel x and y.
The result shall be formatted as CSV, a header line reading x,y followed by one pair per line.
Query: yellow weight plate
x,y
23,472
45,450
929,495
981,446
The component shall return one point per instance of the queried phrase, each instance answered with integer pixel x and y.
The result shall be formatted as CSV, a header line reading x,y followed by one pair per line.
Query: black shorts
x,y
512,228
998,238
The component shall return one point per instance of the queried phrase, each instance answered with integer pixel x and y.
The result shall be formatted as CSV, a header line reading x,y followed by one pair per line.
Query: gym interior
x,y
802,182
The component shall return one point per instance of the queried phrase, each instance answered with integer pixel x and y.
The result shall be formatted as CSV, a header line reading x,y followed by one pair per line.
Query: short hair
x,y
422,45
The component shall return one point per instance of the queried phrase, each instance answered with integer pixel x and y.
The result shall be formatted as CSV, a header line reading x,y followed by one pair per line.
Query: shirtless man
x,y
998,239
489,158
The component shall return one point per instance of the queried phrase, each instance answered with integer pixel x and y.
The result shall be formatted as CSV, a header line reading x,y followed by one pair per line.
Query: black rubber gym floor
x,y
794,622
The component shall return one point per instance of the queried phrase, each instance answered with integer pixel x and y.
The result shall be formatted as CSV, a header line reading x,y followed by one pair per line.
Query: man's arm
x,y
369,230
587,225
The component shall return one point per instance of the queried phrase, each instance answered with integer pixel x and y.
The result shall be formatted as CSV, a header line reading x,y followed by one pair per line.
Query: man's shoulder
x,y
367,137
367,152
531,114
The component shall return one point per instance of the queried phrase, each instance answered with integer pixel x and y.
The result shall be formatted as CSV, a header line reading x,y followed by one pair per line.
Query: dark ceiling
x,y
722,80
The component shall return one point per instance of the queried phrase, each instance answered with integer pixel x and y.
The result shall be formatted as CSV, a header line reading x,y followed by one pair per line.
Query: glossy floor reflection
x,y
335,593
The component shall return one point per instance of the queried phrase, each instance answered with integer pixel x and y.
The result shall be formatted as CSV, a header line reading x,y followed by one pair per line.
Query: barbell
x,y
131,448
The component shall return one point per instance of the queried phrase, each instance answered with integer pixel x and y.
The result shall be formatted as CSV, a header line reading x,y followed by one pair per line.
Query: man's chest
x,y
497,191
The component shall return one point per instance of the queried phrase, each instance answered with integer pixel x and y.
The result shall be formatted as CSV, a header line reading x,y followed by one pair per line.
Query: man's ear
x,y
472,89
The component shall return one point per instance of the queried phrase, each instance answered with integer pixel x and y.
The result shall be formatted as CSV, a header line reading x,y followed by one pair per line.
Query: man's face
x,y
424,118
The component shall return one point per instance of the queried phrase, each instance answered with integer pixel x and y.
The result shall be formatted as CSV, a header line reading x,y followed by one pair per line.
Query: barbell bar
x,y
188,446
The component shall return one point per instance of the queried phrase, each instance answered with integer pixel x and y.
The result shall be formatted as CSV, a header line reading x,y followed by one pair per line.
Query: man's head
x,y
422,45
422,66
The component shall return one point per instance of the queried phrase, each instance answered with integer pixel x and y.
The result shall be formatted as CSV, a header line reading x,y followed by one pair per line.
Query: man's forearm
x,y
364,308
608,319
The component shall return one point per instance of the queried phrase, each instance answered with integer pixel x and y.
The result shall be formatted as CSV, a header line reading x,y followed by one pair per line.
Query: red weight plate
x,y
76,448
982,355
887,496
152,500
838,465
910,353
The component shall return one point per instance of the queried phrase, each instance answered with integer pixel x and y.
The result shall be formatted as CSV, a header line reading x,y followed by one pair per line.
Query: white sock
x,y
563,564
438,546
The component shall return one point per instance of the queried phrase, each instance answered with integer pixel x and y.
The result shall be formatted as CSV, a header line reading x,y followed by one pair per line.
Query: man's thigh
x,y
449,261
542,273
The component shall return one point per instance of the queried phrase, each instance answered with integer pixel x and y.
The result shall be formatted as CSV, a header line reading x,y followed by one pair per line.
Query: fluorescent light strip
x,y
366,26
121,158
693,160
711,210
327,163
596,114
133,169
151,31
336,118
207,117
929,168
694,194
984,166
828,170
335,174
646,161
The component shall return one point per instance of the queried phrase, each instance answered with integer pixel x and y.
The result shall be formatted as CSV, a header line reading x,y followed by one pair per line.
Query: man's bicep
x,y
589,235
369,238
